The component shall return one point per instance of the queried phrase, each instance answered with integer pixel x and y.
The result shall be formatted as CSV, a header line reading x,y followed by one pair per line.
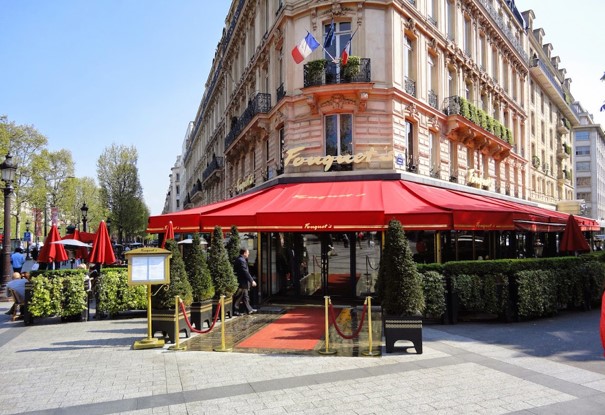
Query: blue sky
x,y
89,73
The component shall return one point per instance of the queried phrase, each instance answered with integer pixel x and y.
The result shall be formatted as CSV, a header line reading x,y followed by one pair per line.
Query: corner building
x,y
437,92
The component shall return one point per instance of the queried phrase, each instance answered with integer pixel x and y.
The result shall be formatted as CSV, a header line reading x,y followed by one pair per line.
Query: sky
x,y
92,73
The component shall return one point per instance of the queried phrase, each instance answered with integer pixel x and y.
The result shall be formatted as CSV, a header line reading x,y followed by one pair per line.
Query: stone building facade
x,y
460,92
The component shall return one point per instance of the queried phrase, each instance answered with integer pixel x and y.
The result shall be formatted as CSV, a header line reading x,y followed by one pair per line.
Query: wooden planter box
x,y
202,312
165,320
228,307
402,328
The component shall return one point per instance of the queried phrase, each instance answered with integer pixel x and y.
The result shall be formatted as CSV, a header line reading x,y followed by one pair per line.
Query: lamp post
x,y
28,238
84,210
8,175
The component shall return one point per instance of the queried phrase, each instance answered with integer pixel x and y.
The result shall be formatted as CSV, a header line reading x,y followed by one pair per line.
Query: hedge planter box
x,y
165,320
402,328
228,307
201,312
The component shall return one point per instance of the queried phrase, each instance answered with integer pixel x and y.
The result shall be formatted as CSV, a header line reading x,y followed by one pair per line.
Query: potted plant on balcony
x,y
221,270
351,69
399,288
163,302
315,71
201,284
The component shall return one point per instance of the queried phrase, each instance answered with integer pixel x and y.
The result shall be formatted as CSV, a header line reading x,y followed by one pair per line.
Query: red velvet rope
x,y
218,309
344,336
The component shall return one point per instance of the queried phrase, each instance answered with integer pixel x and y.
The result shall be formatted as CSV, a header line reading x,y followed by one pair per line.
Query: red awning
x,y
360,205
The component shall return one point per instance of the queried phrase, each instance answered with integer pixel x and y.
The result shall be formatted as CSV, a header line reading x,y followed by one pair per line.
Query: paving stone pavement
x,y
551,366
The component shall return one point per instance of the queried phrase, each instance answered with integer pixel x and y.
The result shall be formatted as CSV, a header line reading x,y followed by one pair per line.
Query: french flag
x,y
304,48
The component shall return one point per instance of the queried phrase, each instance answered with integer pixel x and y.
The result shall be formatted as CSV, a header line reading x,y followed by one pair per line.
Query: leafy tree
x,y
234,244
223,277
23,142
399,284
198,272
121,191
179,283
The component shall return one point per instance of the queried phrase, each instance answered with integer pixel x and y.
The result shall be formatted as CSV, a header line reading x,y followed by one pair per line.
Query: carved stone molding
x,y
338,101
312,103
362,101
411,111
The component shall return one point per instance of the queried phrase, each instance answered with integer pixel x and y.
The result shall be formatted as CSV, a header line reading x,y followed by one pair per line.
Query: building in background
x,y
589,144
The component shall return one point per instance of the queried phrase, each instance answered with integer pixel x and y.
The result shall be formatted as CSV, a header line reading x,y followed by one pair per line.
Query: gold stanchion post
x,y
327,323
223,348
370,352
149,342
177,343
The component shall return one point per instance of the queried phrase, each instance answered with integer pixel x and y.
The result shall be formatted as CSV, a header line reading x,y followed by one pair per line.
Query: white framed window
x,y
339,137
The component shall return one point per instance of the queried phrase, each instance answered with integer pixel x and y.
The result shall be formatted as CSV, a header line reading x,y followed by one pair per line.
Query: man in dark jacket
x,y
245,280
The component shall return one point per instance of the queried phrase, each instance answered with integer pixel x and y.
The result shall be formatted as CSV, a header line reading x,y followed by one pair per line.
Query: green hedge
x,y
57,293
114,294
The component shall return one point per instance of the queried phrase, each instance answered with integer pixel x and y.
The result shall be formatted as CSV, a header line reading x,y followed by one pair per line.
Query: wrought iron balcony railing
x,y
536,62
260,104
410,87
323,72
217,163
433,99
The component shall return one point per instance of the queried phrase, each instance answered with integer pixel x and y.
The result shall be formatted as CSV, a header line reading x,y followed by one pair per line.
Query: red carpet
x,y
298,329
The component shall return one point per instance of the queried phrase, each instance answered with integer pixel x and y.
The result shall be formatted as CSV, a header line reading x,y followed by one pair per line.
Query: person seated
x,y
17,285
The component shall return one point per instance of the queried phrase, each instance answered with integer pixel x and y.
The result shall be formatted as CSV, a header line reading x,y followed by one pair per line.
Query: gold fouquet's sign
x,y
293,157
245,183
472,177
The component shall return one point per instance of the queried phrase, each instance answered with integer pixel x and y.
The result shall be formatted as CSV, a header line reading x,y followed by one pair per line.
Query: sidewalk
x,y
541,367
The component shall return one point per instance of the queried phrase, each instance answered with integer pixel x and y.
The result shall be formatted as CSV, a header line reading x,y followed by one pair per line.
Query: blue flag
x,y
329,36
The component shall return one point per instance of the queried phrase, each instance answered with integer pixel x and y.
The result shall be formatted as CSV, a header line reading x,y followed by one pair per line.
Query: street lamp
x,y
28,237
84,210
8,175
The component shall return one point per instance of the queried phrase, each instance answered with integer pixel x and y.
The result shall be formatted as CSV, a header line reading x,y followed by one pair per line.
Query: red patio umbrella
x,y
79,252
51,252
169,234
573,239
102,251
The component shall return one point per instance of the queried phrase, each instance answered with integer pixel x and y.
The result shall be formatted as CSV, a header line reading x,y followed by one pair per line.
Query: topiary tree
x,y
198,272
221,270
234,244
399,284
179,283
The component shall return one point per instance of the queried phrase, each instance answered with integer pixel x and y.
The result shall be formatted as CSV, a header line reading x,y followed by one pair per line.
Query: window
x,y
583,181
409,75
582,150
582,135
585,195
451,82
482,52
410,153
468,36
434,154
495,65
583,165
178,189
450,10
431,11
542,102
532,92
342,35
453,161
281,150
339,137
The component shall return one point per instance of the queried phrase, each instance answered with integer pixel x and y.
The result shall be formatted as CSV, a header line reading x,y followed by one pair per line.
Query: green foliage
x,y
482,119
465,108
221,270
535,161
497,129
352,68
399,283
537,293
490,124
234,244
434,293
58,293
179,283
115,295
198,272
473,116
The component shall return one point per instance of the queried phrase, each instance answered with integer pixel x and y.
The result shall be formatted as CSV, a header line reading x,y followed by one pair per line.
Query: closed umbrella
x,y
52,252
102,251
573,239
169,234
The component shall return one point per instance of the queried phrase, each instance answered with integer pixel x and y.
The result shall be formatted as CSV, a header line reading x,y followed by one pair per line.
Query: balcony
x,y
214,166
323,72
475,129
260,104
280,93
433,100
410,87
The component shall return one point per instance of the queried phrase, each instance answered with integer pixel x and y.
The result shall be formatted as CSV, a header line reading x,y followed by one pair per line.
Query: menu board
x,y
148,266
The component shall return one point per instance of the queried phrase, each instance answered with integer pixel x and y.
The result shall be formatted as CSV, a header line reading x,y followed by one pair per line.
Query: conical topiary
x,y
179,283
197,270
221,270
234,244
399,284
